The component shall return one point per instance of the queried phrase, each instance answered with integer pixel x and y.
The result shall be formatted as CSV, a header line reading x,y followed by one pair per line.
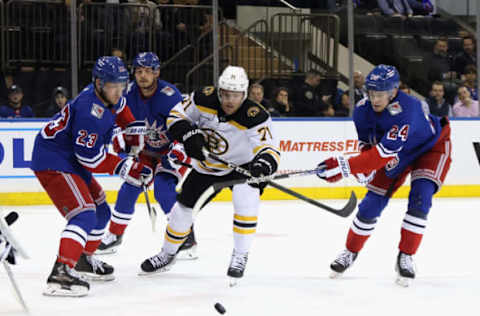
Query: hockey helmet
x,y
383,78
146,59
109,69
234,78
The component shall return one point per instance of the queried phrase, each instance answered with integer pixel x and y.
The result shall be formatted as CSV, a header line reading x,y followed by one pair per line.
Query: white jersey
x,y
236,138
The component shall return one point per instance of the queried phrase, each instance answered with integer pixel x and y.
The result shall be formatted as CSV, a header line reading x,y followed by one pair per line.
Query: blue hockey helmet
x,y
110,69
383,78
146,59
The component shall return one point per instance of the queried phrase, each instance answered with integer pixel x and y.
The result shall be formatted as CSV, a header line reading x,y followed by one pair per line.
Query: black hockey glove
x,y
192,138
262,165
194,142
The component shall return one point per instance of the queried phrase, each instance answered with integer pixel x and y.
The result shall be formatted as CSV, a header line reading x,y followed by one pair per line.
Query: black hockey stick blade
x,y
152,212
343,212
11,218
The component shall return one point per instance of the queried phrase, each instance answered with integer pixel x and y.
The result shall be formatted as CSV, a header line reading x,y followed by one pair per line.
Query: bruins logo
x,y
208,90
253,111
217,144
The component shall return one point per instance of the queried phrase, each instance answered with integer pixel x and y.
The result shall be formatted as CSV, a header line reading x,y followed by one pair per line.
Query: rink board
x,y
303,143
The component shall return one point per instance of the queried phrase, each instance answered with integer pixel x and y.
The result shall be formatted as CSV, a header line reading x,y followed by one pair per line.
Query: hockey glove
x,y
333,169
194,142
262,165
134,137
175,154
133,172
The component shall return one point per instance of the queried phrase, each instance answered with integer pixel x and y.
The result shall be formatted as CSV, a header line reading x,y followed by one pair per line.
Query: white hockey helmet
x,y
234,78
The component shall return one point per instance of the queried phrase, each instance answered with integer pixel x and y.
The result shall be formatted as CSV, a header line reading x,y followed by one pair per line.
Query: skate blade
x,y
145,273
335,275
54,289
403,281
96,277
109,251
187,254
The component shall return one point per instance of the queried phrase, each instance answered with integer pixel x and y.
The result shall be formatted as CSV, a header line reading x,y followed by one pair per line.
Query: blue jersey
x,y
77,136
155,111
402,130
9,112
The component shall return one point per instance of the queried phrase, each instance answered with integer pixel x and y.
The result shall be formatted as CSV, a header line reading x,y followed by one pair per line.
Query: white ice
x,y
287,272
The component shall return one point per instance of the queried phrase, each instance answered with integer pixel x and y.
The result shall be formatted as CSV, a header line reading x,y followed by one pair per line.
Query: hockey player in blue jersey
x,y
150,99
397,138
66,152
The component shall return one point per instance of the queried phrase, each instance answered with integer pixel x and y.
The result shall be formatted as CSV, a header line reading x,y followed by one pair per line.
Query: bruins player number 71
x,y
238,130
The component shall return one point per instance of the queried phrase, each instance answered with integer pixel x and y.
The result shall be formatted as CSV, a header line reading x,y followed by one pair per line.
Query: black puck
x,y
219,307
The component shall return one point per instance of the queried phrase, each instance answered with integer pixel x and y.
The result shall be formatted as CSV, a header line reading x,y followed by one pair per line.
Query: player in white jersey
x,y
237,130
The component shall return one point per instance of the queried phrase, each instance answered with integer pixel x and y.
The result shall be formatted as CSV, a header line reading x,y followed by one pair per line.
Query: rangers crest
x,y
394,108
156,136
97,111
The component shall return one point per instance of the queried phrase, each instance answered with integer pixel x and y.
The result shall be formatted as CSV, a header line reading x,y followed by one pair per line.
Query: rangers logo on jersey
x,y
168,91
97,111
394,108
156,136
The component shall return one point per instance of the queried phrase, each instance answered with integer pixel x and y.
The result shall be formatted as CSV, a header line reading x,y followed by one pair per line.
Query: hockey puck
x,y
219,307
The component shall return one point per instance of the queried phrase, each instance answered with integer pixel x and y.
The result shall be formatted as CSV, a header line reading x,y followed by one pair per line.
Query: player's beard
x,y
148,90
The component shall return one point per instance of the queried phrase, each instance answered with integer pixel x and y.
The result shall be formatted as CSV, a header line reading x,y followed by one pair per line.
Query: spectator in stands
x,y
280,102
256,94
118,53
436,101
467,57
470,76
15,107
59,100
307,101
466,106
6,81
343,108
395,7
421,7
440,68
406,89
359,84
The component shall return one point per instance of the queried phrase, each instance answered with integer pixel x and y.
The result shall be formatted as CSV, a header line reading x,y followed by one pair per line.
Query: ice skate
x,y
161,262
405,268
94,269
237,267
110,244
188,250
342,263
65,281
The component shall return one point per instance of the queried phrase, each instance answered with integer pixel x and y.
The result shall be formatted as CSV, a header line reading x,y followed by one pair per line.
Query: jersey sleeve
x,y
387,149
181,117
264,143
90,147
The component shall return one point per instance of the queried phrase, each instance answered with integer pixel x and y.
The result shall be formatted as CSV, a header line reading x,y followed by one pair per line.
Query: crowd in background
x,y
452,74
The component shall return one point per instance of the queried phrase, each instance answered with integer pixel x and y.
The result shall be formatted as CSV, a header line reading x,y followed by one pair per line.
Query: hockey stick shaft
x,y
151,210
15,287
344,212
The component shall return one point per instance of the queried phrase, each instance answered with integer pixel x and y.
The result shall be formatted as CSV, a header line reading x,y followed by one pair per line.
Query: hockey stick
x,y
152,212
13,243
343,212
15,287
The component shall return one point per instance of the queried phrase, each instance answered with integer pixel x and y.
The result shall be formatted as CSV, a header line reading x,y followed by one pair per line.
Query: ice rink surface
x,y
287,272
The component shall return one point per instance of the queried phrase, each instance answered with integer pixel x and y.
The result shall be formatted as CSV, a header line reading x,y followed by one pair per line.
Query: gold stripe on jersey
x,y
244,224
207,110
237,125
